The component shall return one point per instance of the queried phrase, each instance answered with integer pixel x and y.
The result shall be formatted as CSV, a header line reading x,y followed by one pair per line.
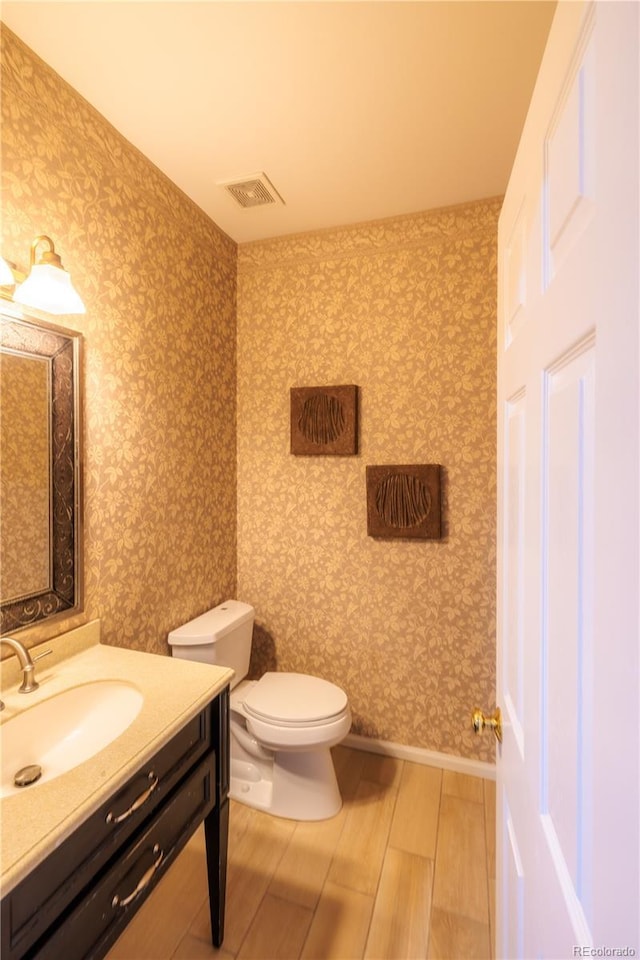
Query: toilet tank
x,y
221,636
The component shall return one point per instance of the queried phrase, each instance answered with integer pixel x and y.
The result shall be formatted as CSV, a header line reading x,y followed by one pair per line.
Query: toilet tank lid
x,y
212,625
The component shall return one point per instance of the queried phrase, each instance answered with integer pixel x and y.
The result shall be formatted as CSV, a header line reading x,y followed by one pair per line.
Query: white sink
x,y
59,733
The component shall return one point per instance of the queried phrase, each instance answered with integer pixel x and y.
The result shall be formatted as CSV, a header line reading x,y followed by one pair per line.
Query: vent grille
x,y
254,191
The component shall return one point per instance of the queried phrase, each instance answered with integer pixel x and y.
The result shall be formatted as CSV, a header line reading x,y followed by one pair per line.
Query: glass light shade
x,y
49,288
7,278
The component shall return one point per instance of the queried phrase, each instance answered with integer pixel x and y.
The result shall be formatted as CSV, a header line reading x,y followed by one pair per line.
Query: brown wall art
x,y
404,501
324,420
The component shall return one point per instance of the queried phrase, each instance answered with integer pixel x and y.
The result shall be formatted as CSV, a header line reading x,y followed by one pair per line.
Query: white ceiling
x,y
354,110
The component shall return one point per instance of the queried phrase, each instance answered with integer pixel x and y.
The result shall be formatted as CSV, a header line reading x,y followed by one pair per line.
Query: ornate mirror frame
x,y
62,350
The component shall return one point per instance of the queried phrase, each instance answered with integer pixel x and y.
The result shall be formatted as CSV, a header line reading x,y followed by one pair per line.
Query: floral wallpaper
x,y
406,309
158,279
187,335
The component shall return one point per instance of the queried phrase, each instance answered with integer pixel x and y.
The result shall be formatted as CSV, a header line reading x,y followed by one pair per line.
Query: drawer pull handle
x,y
143,882
144,796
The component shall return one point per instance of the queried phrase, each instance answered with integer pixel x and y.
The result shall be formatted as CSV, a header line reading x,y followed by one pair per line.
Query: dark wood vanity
x,y
77,901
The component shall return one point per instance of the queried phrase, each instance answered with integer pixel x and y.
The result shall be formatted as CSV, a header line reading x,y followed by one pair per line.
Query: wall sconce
x,y
47,285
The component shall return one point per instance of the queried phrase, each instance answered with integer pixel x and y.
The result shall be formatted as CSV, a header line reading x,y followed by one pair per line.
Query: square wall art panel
x,y
324,420
403,501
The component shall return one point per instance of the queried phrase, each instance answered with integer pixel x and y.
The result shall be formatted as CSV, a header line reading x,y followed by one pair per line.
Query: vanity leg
x,y
216,832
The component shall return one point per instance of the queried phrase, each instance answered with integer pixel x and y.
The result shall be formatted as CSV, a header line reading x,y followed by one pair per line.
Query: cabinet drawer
x,y
49,889
91,926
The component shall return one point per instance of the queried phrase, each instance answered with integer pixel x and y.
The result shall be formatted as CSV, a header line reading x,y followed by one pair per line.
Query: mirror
x,y
40,433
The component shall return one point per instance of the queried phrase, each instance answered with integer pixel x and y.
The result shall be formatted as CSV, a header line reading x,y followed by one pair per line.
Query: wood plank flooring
x,y
406,871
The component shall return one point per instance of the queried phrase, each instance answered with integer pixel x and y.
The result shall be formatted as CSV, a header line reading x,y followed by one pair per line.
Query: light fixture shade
x,y
7,278
48,287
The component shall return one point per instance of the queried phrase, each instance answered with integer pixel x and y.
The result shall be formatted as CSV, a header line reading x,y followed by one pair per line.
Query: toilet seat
x,y
294,700
314,713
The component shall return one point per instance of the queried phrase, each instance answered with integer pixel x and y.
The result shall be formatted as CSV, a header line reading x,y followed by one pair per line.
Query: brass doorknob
x,y
479,722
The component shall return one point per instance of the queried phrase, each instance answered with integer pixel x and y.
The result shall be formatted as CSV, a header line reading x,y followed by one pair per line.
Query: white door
x,y
568,495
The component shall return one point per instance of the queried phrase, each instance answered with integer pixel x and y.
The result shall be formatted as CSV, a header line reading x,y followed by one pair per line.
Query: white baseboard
x,y
431,758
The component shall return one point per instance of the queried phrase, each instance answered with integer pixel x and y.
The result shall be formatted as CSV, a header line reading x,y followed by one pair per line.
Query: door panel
x,y
513,893
569,174
568,499
514,615
567,574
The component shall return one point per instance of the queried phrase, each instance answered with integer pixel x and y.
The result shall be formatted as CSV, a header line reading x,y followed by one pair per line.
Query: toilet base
x,y
248,786
295,785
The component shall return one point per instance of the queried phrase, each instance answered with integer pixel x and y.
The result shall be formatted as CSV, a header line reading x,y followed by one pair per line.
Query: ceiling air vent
x,y
254,191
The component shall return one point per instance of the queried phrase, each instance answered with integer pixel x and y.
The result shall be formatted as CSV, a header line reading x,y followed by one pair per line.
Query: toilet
x,y
282,726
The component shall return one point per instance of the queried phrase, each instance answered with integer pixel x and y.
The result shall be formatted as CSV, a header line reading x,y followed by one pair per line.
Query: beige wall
x,y
158,280
406,309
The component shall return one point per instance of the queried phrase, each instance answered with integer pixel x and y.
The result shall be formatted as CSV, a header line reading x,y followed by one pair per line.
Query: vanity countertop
x,y
38,818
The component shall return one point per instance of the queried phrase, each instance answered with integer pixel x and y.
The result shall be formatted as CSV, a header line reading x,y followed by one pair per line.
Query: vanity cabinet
x,y
77,901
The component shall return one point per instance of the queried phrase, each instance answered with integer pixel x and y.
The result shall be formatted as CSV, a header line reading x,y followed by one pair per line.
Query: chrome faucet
x,y
29,682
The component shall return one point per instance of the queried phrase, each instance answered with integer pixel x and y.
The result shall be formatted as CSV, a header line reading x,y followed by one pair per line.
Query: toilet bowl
x,y
282,725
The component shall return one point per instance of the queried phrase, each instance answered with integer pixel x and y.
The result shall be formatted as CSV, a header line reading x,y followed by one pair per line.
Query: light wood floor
x,y
406,870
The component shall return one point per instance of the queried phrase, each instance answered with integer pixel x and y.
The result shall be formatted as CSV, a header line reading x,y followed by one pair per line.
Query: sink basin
x,y
59,733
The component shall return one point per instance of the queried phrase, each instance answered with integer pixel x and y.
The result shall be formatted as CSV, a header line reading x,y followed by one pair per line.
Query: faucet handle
x,y
26,663
45,653
29,682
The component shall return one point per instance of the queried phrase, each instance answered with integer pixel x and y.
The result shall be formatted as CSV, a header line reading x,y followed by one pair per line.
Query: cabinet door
x,y
102,914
